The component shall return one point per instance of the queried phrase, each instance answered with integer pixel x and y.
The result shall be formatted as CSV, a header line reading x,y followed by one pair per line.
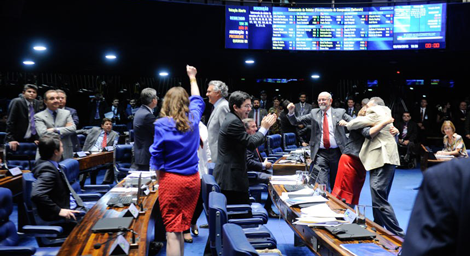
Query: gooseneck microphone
x,y
98,245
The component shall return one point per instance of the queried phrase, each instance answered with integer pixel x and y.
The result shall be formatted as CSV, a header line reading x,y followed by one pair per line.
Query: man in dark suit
x,y
408,135
144,129
460,120
20,126
439,222
97,108
424,117
73,112
257,113
256,163
50,193
327,138
351,110
230,168
302,107
119,115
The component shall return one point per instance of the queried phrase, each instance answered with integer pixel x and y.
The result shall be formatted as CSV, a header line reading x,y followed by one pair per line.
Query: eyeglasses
x,y
247,106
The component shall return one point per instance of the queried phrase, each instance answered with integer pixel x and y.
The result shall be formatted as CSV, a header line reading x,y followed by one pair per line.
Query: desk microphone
x,y
98,245
124,229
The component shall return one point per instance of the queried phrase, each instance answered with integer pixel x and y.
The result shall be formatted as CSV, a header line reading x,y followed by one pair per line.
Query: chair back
x,y
208,185
262,150
71,168
81,140
274,143
120,128
8,234
217,218
289,141
88,127
24,156
122,159
235,242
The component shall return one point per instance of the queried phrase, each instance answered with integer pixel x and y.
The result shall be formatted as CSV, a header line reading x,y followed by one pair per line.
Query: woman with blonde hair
x,y
175,161
453,143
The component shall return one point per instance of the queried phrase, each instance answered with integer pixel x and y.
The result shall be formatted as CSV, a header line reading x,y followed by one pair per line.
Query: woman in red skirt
x,y
174,158
351,173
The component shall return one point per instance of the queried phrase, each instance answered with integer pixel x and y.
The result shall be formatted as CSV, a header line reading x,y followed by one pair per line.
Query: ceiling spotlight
x,y
163,73
39,48
249,61
411,88
370,89
315,76
110,57
28,62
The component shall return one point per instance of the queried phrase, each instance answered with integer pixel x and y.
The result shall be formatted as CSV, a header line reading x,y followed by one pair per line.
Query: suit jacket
x,y
412,132
93,134
253,161
121,112
429,118
18,119
459,123
262,113
307,109
230,168
439,220
316,118
354,112
50,192
45,120
101,110
213,126
144,131
382,149
74,114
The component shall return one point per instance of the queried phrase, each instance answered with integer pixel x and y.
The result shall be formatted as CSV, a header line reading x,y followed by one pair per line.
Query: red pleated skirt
x,y
178,196
349,179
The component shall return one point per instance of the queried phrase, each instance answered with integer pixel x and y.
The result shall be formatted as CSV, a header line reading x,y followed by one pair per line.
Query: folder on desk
x,y
366,249
111,224
350,232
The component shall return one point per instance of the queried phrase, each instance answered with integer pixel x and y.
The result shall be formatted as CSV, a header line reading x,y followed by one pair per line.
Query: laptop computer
x,y
111,224
431,155
350,231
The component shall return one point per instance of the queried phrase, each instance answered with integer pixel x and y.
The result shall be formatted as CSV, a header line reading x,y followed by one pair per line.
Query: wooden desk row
x,y
321,241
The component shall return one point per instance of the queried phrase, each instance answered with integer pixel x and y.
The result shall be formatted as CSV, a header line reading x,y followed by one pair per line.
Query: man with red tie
x,y
327,138
256,163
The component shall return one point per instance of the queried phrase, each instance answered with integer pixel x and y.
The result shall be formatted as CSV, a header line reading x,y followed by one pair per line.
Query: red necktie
x,y
105,138
260,158
326,132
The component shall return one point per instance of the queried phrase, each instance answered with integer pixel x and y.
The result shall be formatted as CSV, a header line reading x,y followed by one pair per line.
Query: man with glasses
x,y
234,141
327,138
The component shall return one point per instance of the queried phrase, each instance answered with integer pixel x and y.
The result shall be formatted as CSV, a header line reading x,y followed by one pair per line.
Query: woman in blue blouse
x,y
174,158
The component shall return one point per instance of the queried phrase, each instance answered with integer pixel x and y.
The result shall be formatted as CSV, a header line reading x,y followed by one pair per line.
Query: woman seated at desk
x,y
453,143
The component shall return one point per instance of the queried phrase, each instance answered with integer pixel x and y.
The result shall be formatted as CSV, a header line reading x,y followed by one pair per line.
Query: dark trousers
x,y
325,167
381,180
238,197
197,211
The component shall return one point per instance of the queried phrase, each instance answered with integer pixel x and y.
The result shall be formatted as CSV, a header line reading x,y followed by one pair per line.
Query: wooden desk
x,y
88,163
321,241
286,168
15,184
82,239
425,161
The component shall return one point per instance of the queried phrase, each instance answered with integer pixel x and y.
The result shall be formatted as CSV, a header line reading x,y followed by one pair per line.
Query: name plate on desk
x,y
350,216
81,154
120,246
132,212
15,171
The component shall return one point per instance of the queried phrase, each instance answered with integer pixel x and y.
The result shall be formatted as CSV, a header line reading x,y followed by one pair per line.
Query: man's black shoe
x,y
155,247
272,214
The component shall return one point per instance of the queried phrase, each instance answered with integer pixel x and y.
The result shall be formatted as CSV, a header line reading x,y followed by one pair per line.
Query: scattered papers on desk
x,y
321,210
443,156
303,200
303,192
123,189
287,161
135,174
284,179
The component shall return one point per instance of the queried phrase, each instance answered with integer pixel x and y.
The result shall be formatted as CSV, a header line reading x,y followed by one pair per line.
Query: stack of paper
x,y
303,192
284,179
303,200
319,215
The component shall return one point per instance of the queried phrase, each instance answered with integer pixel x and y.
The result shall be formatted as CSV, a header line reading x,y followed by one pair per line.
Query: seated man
x,y
97,139
408,135
51,192
254,162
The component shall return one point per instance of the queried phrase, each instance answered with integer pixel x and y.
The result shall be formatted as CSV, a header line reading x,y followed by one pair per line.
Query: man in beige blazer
x,y
380,157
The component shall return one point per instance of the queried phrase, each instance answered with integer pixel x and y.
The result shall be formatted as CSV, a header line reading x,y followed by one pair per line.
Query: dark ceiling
x,y
148,36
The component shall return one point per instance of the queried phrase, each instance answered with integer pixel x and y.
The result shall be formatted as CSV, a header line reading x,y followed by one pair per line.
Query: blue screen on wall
x,y
341,29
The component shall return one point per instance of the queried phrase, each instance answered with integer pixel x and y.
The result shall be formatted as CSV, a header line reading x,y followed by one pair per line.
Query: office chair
x,y
289,141
9,238
237,244
71,169
260,237
122,161
24,156
274,146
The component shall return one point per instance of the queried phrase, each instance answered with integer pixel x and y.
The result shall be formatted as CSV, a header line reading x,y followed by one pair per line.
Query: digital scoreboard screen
x,y
336,29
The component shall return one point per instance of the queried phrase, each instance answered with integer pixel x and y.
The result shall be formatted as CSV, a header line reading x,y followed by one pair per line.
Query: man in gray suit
x,y
327,138
144,129
216,92
53,120
302,108
379,155
257,113
98,138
